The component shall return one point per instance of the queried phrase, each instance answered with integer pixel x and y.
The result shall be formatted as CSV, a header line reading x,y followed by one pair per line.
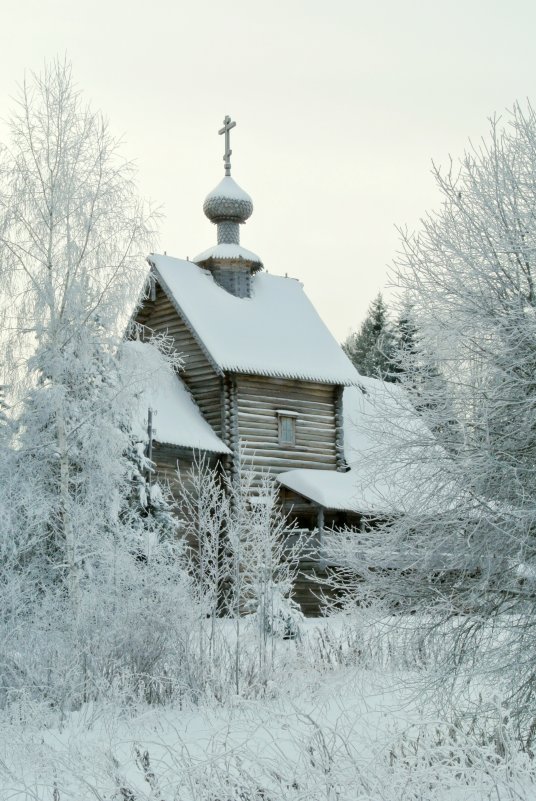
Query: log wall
x,y
198,374
257,400
169,459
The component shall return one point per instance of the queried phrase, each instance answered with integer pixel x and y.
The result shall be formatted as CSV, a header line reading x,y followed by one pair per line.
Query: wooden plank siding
x,y
257,400
198,374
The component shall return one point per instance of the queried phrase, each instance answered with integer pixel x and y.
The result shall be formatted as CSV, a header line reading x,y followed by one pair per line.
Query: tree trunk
x,y
67,530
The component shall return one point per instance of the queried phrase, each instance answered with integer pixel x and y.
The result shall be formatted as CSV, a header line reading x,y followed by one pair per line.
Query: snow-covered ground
x,y
327,724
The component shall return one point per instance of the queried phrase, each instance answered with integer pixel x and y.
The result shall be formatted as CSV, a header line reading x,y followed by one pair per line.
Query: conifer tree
x,y
372,348
418,371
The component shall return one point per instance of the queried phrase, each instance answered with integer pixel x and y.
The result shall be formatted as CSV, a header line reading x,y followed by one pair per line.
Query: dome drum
x,y
228,232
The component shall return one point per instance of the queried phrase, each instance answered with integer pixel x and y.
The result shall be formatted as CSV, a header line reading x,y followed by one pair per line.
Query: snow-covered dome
x,y
228,202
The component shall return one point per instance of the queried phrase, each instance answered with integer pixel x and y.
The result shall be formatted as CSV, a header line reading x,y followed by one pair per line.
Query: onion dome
x,y
228,202
228,207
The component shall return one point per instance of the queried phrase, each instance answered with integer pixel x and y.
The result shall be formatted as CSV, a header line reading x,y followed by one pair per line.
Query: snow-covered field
x,y
327,724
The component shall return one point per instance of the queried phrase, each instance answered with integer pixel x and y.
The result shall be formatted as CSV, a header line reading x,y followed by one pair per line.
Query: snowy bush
x,y
267,752
280,615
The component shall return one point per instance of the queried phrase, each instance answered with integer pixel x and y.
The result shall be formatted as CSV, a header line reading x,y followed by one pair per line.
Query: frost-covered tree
x,y
416,367
72,231
241,562
264,565
467,537
406,335
84,597
372,348
203,509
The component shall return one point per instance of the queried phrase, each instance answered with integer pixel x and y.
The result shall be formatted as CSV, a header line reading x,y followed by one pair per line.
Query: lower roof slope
x,y
178,419
276,332
395,463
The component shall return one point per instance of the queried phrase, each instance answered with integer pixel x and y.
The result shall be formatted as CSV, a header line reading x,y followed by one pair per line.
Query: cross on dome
x,y
227,125
228,207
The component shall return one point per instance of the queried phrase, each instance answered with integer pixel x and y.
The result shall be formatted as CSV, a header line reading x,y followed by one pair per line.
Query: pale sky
x,y
340,107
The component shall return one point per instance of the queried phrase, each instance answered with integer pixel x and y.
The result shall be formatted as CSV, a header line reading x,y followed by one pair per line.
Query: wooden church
x,y
262,375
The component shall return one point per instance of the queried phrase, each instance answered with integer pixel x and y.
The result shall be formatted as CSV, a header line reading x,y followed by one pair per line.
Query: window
x,y
287,427
287,430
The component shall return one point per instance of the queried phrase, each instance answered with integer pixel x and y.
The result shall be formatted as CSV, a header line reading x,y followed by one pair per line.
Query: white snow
x,y
227,250
390,451
228,188
178,420
332,490
276,332
339,718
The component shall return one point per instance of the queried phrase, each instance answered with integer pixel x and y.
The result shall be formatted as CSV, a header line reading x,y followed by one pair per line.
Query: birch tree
x,y
204,513
470,557
85,603
72,232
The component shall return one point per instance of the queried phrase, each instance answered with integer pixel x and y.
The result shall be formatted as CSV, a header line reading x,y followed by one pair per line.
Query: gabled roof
x,y
178,420
394,459
276,332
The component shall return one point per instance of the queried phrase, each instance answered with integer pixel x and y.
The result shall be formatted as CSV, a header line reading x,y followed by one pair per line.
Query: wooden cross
x,y
227,125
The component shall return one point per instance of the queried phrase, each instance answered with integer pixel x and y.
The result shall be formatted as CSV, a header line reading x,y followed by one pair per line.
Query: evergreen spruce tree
x,y
372,348
416,369
148,508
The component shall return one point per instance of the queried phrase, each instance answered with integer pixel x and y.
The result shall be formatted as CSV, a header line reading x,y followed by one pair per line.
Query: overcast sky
x,y
340,107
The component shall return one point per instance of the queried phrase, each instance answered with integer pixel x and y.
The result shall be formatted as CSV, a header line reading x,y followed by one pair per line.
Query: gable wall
x,y
197,373
257,398
242,408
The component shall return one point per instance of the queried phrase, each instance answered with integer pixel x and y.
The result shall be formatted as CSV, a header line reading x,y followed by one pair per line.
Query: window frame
x,y
285,416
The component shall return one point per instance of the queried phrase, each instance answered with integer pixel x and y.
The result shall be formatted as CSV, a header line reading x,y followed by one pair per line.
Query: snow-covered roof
x,y
227,251
327,488
178,420
276,332
392,456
